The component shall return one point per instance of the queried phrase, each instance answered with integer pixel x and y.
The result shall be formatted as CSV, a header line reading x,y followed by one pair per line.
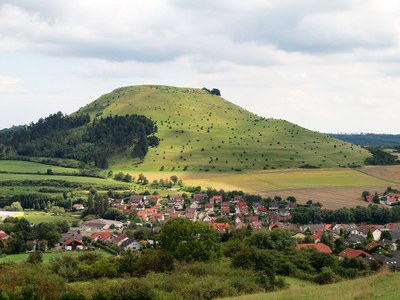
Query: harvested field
x,y
330,198
389,173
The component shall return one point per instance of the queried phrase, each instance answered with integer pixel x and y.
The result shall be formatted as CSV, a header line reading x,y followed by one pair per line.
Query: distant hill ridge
x,y
369,139
199,131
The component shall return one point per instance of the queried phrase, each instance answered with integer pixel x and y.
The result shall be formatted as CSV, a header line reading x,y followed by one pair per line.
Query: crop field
x,y
390,173
334,187
381,286
330,198
16,166
262,181
19,258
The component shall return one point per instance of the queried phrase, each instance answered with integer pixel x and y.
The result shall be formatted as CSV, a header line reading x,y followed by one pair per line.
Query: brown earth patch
x,y
390,173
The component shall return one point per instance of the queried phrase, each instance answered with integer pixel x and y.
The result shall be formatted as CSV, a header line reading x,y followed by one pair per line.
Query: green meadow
x,y
201,132
35,217
16,166
381,286
47,256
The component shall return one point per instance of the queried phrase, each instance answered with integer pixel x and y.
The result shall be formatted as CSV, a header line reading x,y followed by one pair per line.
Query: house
x,y
354,239
353,253
376,231
256,205
73,244
241,225
119,240
257,225
208,219
300,237
102,224
312,227
321,247
194,205
135,200
140,207
199,198
105,237
225,211
3,235
78,206
373,246
158,217
392,199
118,203
220,226
273,205
209,207
170,210
190,216
176,201
241,208
291,205
131,244
349,228
261,211
252,219
237,198
216,199
316,236
274,217
142,215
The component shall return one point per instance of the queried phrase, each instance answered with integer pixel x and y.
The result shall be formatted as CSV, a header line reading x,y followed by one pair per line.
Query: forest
x,y
76,137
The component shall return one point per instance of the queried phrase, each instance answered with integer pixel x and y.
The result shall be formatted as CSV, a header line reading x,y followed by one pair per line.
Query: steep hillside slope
x,y
202,132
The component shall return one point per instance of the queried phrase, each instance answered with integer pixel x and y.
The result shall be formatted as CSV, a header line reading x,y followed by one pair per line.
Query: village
x,y
373,242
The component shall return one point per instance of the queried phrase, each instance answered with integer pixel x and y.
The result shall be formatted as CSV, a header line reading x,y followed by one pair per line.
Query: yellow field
x,y
334,188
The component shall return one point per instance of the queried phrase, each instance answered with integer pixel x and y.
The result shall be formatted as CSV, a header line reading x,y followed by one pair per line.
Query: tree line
x,y
76,137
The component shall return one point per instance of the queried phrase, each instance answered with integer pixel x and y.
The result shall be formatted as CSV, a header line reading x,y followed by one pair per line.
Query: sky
x,y
330,66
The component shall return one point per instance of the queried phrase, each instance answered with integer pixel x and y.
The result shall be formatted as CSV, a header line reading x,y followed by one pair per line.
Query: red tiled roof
x,y
353,253
71,240
321,247
317,235
101,235
220,225
3,234
371,245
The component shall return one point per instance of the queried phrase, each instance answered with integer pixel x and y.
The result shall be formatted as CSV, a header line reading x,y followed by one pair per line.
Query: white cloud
x,y
8,83
327,65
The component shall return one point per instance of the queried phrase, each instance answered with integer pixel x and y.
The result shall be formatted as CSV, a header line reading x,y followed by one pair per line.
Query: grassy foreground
x,y
381,286
19,258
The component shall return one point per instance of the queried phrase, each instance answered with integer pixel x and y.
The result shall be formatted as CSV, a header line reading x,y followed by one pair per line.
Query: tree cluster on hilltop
x,y
62,136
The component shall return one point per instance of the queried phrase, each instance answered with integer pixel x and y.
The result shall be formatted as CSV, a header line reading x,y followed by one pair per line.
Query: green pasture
x,y
381,286
35,217
77,179
17,166
19,258
205,132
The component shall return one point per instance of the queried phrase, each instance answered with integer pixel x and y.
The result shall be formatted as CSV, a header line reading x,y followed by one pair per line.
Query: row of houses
x,y
201,207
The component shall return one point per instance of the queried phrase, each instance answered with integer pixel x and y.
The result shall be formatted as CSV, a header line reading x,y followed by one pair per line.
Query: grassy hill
x,y
380,286
202,132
